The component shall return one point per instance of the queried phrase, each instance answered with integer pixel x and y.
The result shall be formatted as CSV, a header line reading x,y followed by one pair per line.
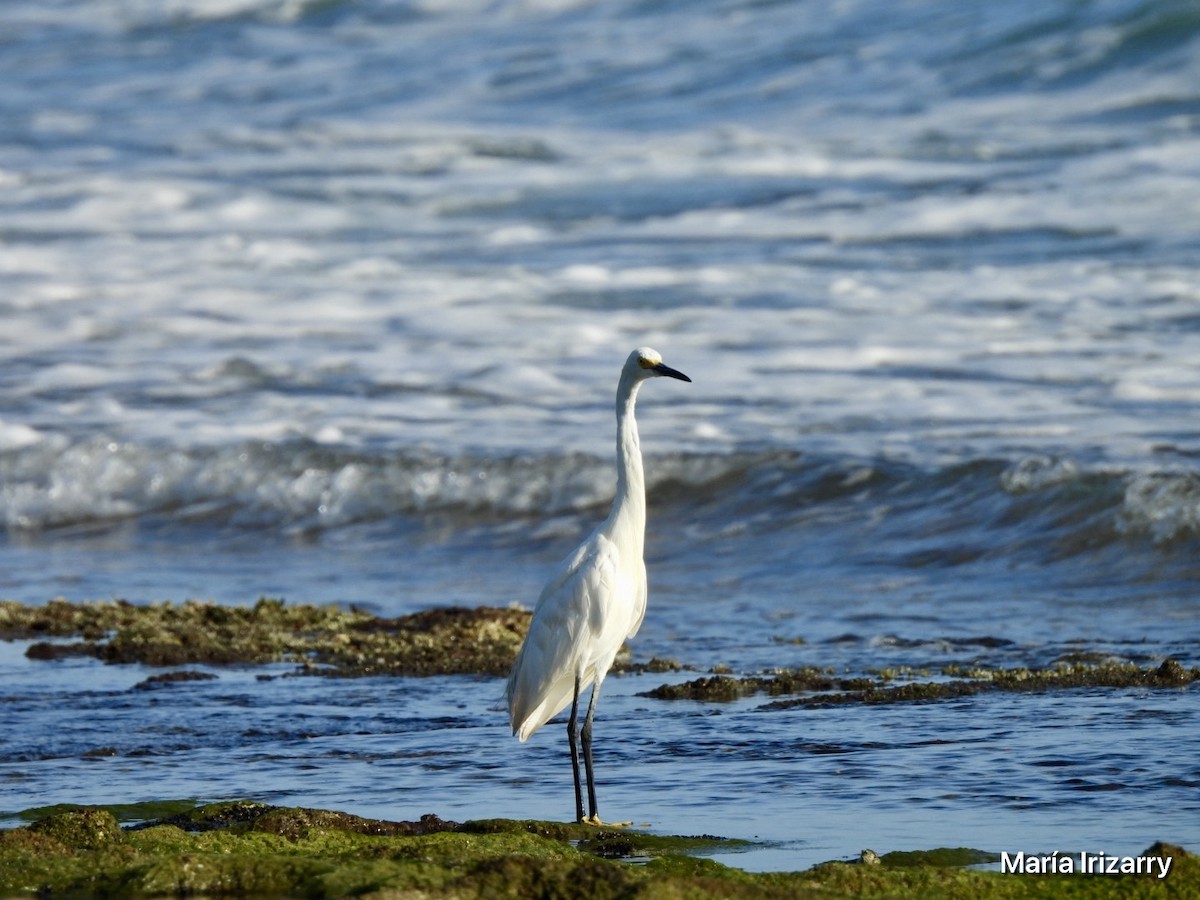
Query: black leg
x,y
572,736
587,754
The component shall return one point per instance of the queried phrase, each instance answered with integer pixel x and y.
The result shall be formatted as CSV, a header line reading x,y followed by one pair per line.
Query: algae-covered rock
x,y
969,681
714,688
724,687
211,816
220,875
322,640
513,876
943,856
449,640
295,824
84,829
29,844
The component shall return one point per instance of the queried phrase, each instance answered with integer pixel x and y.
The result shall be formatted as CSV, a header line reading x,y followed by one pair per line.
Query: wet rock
x,y
824,689
715,689
656,665
725,688
48,650
100,752
1170,674
166,678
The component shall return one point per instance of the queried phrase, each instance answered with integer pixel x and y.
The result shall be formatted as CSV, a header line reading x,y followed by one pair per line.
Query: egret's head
x,y
647,363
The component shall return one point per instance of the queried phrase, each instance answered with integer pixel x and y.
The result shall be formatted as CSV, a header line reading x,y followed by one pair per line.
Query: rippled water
x,y
327,300
1082,769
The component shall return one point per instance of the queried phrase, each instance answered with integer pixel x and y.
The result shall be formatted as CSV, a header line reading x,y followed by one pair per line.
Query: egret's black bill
x,y
663,369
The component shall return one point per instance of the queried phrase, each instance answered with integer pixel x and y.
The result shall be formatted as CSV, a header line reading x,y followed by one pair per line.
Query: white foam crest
x,y
490,359
125,15
83,483
17,435
1165,505
51,482
1175,382
1034,473
102,480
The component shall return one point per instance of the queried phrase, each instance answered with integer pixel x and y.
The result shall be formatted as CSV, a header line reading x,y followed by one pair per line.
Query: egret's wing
x,y
561,638
638,597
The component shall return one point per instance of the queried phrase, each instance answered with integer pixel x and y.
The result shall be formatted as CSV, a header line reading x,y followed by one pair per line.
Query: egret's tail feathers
x,y
532,706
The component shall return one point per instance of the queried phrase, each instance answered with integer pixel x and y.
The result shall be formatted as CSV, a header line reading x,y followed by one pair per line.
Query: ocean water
x,y
327,300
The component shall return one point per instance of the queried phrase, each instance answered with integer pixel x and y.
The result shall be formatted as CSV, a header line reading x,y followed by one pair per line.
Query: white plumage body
x,y
596,599
584,615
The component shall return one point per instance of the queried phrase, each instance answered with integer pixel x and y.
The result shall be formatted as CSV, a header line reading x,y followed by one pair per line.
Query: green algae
x,y
122,812
247,849
321,640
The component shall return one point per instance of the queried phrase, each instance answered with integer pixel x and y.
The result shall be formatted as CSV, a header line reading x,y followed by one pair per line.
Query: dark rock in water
x,y
48,650
173,678
823,689
1172,673
724,688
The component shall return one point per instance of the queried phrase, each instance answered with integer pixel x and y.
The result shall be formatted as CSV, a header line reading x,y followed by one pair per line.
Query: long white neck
x,y
629,507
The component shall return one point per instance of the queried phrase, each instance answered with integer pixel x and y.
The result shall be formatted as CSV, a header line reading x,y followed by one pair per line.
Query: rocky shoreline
x,y
339,642
248,849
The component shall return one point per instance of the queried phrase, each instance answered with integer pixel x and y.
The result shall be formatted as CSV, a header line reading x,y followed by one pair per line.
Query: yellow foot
x,y
595,820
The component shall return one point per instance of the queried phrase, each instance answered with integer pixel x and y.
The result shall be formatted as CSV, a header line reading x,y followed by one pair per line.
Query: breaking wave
x,y
1056,505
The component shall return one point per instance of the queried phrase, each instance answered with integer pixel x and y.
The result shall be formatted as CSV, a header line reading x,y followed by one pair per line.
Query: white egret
x,y
593,603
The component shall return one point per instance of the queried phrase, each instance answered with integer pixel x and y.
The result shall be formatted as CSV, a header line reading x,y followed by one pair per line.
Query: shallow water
x,y
327,300
1072,770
